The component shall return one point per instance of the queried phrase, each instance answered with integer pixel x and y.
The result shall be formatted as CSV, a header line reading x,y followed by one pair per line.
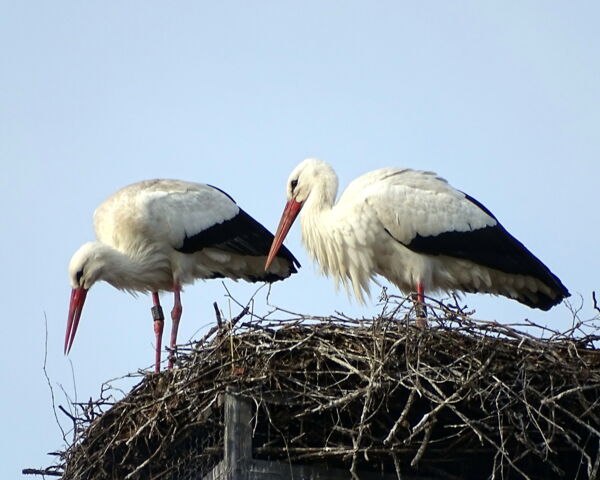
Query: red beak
x,y
290,212
76,306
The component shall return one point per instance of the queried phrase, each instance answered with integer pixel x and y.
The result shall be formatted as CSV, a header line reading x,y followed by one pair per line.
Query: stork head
x,y
312,181
85,269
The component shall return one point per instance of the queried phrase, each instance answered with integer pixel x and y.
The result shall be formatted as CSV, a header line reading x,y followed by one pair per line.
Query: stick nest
x,y
460,399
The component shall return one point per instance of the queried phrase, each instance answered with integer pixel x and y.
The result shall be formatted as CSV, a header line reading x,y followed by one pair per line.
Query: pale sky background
x,y
500,98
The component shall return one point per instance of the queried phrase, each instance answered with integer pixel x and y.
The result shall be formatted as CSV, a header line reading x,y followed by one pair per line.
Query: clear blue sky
x,y
500,98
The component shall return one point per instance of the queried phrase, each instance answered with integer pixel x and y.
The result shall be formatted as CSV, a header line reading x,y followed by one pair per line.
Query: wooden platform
x,y
238,463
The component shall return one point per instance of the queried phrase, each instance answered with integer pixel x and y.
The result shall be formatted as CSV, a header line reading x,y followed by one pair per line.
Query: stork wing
x,y
193,216
427,215
203,216
412,204
240,234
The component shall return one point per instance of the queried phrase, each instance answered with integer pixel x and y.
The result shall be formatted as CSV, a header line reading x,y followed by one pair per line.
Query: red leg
x,y
175,316
420,293
421,320
159,323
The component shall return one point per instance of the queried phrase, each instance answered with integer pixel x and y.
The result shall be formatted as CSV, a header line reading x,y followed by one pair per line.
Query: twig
x,y
44,472
64,435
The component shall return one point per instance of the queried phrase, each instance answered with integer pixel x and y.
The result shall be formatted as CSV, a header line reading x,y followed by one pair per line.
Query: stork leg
x,y
159,323
175,316
421,320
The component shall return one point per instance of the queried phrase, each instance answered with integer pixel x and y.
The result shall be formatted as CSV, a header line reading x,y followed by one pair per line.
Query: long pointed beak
x,y
290,212
75,307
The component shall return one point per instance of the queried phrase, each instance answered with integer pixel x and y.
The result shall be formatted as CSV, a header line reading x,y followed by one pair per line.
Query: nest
x,y
460,399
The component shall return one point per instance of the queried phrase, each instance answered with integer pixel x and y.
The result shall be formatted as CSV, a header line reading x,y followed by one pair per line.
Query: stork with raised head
x,y
414,229
158,235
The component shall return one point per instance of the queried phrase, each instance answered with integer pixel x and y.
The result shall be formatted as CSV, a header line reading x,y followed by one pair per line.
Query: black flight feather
x,y
241,235
496,248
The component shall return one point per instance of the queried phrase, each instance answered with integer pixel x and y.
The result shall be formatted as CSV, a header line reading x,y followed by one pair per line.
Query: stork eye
x,y
78,276
293,184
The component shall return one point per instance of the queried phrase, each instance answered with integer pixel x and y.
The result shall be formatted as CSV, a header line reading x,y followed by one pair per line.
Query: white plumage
x,y
414,229
158,235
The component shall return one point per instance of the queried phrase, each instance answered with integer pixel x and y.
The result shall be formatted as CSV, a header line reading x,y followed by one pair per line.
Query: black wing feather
x,y
492,247
242,235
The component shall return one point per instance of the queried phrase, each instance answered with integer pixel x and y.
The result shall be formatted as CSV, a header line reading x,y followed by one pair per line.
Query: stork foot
x,y
421,313
421,322
420,308
159,324
175,317
173,344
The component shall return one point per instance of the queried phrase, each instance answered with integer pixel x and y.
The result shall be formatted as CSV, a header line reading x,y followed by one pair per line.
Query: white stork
x,y
414,229
158,235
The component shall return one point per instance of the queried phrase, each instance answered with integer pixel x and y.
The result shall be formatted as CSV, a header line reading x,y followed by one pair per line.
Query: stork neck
x,y
322,194
318,233
143,271
317,211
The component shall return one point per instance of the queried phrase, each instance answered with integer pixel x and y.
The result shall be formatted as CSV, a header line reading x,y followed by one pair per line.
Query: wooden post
x,y
238,436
